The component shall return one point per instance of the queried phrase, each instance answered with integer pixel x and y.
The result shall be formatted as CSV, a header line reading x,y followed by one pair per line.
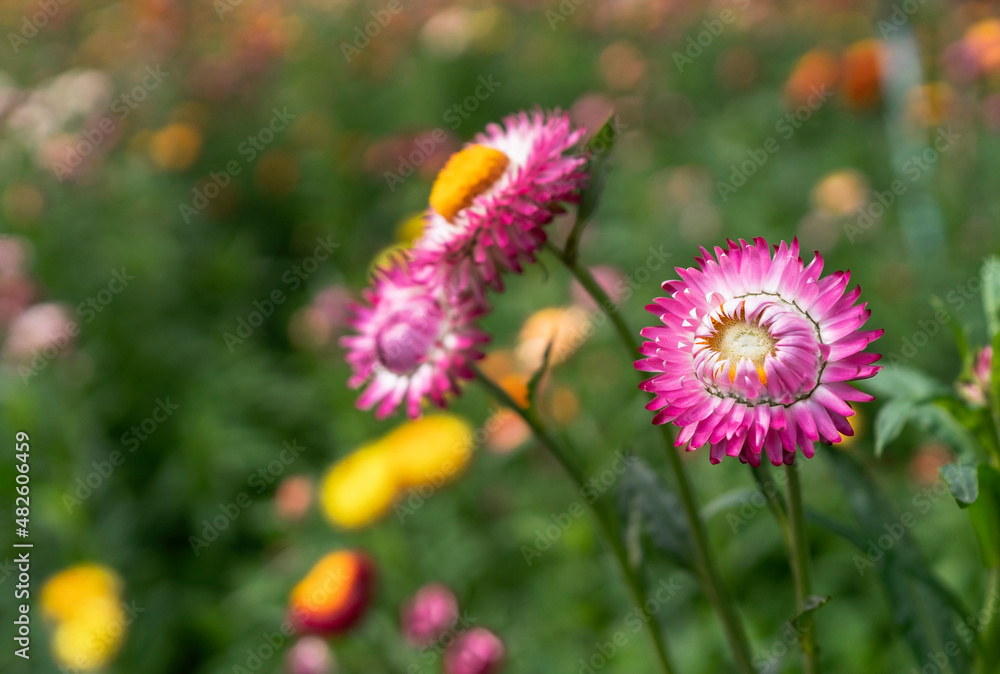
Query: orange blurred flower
x,y
334,595
815,70
175,146
862,71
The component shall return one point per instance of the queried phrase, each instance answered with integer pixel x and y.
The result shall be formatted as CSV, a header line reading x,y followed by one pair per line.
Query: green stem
x,y
775,503
799,551
712,583
990,633
606,524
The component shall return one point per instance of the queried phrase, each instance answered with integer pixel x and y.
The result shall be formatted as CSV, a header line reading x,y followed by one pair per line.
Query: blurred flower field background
x,y
192,192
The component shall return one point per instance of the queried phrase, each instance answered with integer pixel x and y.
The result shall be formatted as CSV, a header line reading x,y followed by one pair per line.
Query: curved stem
x,y
712,583
800,567
605,523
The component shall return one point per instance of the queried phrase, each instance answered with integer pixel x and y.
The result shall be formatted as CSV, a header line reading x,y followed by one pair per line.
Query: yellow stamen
x,y
467,174
735,339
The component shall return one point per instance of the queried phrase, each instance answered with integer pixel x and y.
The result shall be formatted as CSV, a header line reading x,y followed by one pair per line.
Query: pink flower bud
x,y
311,655
478,651
431,613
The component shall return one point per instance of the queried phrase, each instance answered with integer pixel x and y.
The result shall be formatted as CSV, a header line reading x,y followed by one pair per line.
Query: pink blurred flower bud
x,y
310,655
478,651
40,329
294,497
432,612
976,390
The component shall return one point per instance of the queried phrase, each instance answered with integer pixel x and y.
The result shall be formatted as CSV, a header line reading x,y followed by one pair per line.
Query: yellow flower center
x,y
735,339
468,173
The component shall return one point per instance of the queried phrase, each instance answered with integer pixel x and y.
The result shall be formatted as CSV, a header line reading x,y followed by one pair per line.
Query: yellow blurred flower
x,y
385,256
840,193
430,451
930,104
409,230
360,489
175,146
566,327
857,422
84,602
982,40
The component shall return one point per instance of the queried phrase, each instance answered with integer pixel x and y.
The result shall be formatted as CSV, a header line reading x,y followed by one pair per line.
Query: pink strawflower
x,y
477,651
755,353
491,201
429,615
414,341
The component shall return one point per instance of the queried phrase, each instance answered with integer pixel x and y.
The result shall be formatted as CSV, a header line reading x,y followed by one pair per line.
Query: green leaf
x,y
890,421
900,381
812,604
661,510
731,499
599,149
985,515
990,276
536,378
924,611
936,419
964,482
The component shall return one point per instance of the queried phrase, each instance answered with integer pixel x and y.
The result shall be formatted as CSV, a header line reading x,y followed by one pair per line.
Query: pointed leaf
x,y
598,148
890,421
900,381
925,612
536,378
661,511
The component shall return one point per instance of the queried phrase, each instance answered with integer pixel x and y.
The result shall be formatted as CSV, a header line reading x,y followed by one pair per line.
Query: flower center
x,y
409,336
736,340
468,173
